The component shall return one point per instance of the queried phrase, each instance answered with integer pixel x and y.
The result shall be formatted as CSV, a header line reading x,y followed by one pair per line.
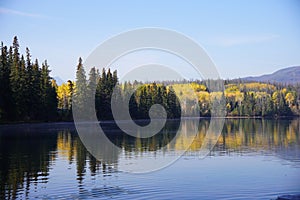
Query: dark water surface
x,y
253,159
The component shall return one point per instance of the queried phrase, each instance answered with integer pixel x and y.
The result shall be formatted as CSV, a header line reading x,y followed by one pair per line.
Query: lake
x,y
253,159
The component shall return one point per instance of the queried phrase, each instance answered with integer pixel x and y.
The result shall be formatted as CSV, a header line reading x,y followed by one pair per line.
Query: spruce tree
x,y
22,96
80,95
48,94
36,92
5,94
91,89
15,77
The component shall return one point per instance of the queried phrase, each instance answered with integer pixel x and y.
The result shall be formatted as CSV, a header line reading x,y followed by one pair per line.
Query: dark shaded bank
x,y
42,126
141,122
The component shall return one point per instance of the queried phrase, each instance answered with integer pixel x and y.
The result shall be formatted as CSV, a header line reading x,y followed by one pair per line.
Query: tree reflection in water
x,y
27,152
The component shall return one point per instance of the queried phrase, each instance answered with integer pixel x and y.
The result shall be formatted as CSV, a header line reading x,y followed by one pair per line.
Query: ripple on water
x,y
108,192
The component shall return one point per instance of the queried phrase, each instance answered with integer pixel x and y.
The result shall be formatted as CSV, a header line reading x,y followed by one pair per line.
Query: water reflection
x,y
25,160
29,153
255,134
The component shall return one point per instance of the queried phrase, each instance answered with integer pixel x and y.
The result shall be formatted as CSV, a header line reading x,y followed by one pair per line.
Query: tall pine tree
x,y
80,95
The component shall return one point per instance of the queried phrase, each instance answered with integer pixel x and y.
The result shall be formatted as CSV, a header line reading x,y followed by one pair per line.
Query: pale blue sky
x,y
242,37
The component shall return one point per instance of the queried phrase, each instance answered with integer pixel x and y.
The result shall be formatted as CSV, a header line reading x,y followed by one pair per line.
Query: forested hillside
x,y
28,93
241,99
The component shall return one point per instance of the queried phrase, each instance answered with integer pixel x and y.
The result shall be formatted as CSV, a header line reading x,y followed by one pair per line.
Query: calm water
x,y
253,159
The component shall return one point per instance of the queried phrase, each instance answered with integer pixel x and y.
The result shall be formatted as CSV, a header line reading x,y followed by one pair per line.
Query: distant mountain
x,y
58,80
289,75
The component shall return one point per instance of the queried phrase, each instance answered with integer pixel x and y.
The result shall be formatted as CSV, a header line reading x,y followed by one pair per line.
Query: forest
x,y
28,93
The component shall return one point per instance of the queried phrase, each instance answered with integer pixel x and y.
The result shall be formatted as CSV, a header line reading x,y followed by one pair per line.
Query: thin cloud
x,y
19,13
243,40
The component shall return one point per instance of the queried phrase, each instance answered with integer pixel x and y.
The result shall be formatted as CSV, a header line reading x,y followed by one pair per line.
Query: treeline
x,y
261,99
246,99
28,93
239,99
140,96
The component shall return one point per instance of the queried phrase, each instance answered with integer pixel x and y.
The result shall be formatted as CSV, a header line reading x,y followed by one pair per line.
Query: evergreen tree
x,y
15,77
30,97
22,96
71,92
104,91
80,94
173,105
92,84
48,94
35,91
5,94
99,96
133,107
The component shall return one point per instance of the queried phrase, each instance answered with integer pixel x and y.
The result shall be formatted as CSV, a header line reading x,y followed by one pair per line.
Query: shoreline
x,y
111,121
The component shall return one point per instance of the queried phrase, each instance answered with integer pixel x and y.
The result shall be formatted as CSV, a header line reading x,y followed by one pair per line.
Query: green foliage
x,y
5,94
104,89
80,95
27,92
147,95
261,99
